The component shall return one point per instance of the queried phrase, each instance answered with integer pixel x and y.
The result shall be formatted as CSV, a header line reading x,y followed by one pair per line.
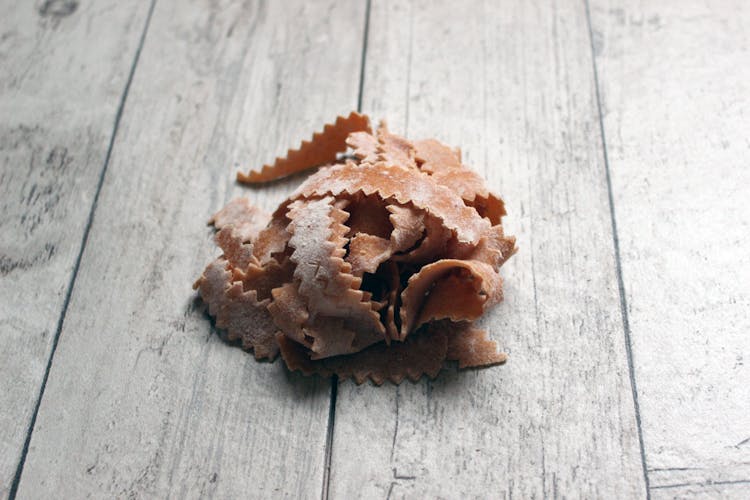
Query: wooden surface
x,y
559,417
59,98
143,400
616,132
675,95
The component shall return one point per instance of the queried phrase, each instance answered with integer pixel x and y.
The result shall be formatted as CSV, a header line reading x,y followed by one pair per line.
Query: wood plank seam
x,y
220,100
560,417
335,380
364,56
701,484
76,266
618,263
329,437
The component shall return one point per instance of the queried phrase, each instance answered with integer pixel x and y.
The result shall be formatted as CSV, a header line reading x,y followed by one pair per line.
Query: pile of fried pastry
x,y
374,268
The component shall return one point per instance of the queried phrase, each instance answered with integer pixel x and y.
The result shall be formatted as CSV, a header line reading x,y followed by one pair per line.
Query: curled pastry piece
x,y
394,150
444,165
470,187
404,185
392,317
237,312
432,245
247,219
325,279
322,149
383,147
373,269
420,355
469,345
239,254
239,223
434,156
365,146
367,252
272,240
449,288
247,319
408,226
213,284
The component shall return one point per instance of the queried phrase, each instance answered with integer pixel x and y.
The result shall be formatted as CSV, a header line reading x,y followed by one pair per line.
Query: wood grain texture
x,y
143,399
513,85
675,91
63,71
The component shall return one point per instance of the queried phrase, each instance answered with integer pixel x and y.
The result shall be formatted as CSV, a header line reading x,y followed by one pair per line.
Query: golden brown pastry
x,y
374,268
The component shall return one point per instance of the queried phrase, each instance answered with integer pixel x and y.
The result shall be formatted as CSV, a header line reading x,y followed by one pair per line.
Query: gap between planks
x,y
618,263
76,266
334,379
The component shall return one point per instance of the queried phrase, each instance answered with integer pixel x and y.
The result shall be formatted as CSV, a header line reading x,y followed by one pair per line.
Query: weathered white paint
x,y
513,85
143,400
63,69
675,88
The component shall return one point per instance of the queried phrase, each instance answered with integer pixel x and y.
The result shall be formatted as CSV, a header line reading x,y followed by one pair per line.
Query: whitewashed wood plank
x,y
675,91
512,83
698,482
63,70
143,400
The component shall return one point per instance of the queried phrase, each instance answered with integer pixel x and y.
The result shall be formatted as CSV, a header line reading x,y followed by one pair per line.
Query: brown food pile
x,y
373,268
